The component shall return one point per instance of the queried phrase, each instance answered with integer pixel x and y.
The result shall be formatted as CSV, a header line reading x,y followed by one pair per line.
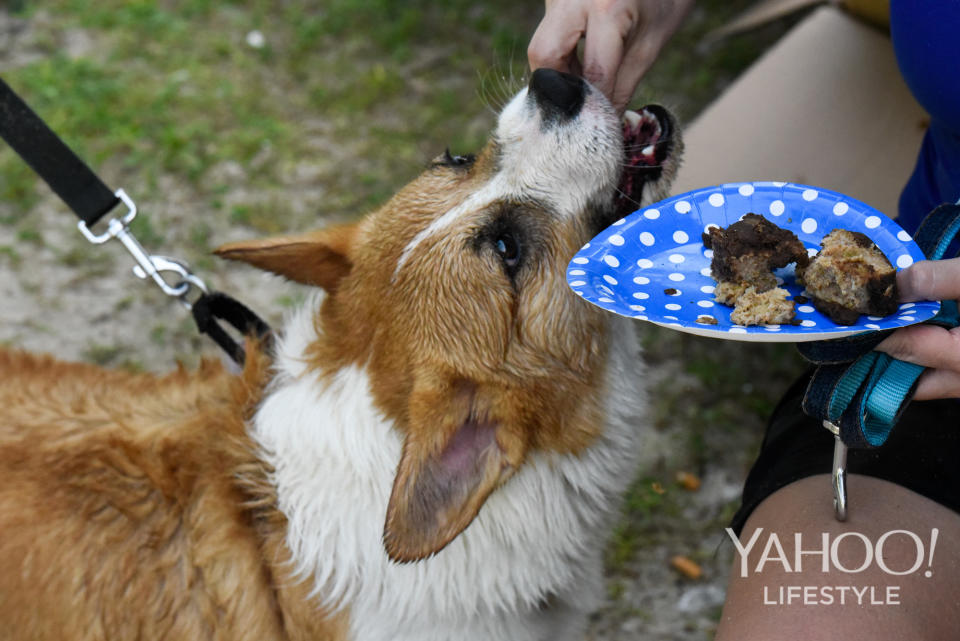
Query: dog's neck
x,y
530,556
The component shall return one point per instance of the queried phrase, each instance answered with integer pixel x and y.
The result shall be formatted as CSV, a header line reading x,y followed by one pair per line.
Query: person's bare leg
x,y
762,605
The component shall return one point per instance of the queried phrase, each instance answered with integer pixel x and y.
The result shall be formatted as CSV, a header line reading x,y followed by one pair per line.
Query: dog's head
x,y
453,297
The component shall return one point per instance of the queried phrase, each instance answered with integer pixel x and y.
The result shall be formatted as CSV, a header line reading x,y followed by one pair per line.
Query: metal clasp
x,y
839,480
186,278
147,265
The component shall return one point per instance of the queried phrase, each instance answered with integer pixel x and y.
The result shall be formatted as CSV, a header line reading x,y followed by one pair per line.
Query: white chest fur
x,y
529,567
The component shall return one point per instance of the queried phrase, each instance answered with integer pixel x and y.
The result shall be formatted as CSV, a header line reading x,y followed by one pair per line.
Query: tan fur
x,y
133,506
324,263
448,340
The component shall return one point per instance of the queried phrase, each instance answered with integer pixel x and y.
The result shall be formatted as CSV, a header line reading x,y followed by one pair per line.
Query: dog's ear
x,y
320,258
436,494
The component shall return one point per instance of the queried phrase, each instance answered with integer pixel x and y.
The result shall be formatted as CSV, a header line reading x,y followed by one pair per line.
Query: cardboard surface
x,y
759,14
826,106
876,12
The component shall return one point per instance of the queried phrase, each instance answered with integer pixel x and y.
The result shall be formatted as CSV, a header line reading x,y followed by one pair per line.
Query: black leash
x,y
90,199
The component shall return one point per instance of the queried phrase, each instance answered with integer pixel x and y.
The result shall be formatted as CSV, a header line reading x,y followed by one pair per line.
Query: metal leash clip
x,y
839,480
148,265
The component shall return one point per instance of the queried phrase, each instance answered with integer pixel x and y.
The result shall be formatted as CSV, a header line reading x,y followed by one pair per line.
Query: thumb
x,y
930,280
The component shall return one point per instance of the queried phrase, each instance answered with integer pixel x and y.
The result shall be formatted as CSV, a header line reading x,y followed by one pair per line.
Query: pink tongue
x,y
641,137
638,138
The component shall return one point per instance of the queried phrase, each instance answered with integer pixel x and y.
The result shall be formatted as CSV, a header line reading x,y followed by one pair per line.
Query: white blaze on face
x,y
565,165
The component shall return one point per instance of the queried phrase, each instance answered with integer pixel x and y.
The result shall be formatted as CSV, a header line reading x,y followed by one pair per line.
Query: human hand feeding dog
x,y
622,39
436,448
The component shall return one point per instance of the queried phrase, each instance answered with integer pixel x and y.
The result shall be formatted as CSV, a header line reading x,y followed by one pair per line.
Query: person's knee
x,y
888,572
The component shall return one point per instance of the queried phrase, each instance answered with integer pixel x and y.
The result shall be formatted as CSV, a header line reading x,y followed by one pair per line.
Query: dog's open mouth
x,y
647,143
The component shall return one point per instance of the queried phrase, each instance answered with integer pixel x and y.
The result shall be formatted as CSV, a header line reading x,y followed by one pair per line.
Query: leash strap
x,y
90,199
210,308
53,161
860,394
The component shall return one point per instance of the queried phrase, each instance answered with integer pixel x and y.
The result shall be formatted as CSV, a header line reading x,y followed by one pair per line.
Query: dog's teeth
x,y
647,151
632,117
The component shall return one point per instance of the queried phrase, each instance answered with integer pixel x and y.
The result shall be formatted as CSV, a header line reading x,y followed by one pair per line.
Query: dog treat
x,y
750,249
848,277
772,307
727,293
744,257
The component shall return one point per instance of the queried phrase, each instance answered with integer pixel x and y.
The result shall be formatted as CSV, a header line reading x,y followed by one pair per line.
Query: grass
x,y
646,501
9,255
101,354
173,90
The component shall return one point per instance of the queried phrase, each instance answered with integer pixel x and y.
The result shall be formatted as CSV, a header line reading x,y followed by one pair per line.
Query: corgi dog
x,y
434,447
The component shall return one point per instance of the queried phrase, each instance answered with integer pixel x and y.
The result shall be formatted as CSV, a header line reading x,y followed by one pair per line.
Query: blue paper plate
x,y
652,265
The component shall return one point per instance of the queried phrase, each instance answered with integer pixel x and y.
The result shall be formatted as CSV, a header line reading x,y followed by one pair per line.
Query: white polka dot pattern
x,y
652,265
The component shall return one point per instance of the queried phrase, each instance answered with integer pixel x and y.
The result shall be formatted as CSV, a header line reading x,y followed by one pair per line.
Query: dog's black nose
x,y
559,95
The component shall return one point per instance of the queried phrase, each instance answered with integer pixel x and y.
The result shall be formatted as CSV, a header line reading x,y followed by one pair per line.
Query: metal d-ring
x,y
839,480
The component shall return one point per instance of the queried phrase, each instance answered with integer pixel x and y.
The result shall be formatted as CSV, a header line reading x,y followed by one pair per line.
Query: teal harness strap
x,y
859,393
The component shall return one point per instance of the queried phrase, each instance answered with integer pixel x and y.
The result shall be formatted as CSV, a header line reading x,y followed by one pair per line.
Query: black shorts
x,y
922,453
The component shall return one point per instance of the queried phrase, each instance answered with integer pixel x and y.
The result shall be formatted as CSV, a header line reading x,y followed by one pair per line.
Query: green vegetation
x,y
173,90
369,89
103,354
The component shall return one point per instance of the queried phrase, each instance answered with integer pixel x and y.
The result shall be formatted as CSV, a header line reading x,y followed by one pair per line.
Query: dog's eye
x,y
449,160
506,238
508,249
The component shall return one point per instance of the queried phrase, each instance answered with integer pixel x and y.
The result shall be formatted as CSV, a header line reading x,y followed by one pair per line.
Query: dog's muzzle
x,y
559,95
